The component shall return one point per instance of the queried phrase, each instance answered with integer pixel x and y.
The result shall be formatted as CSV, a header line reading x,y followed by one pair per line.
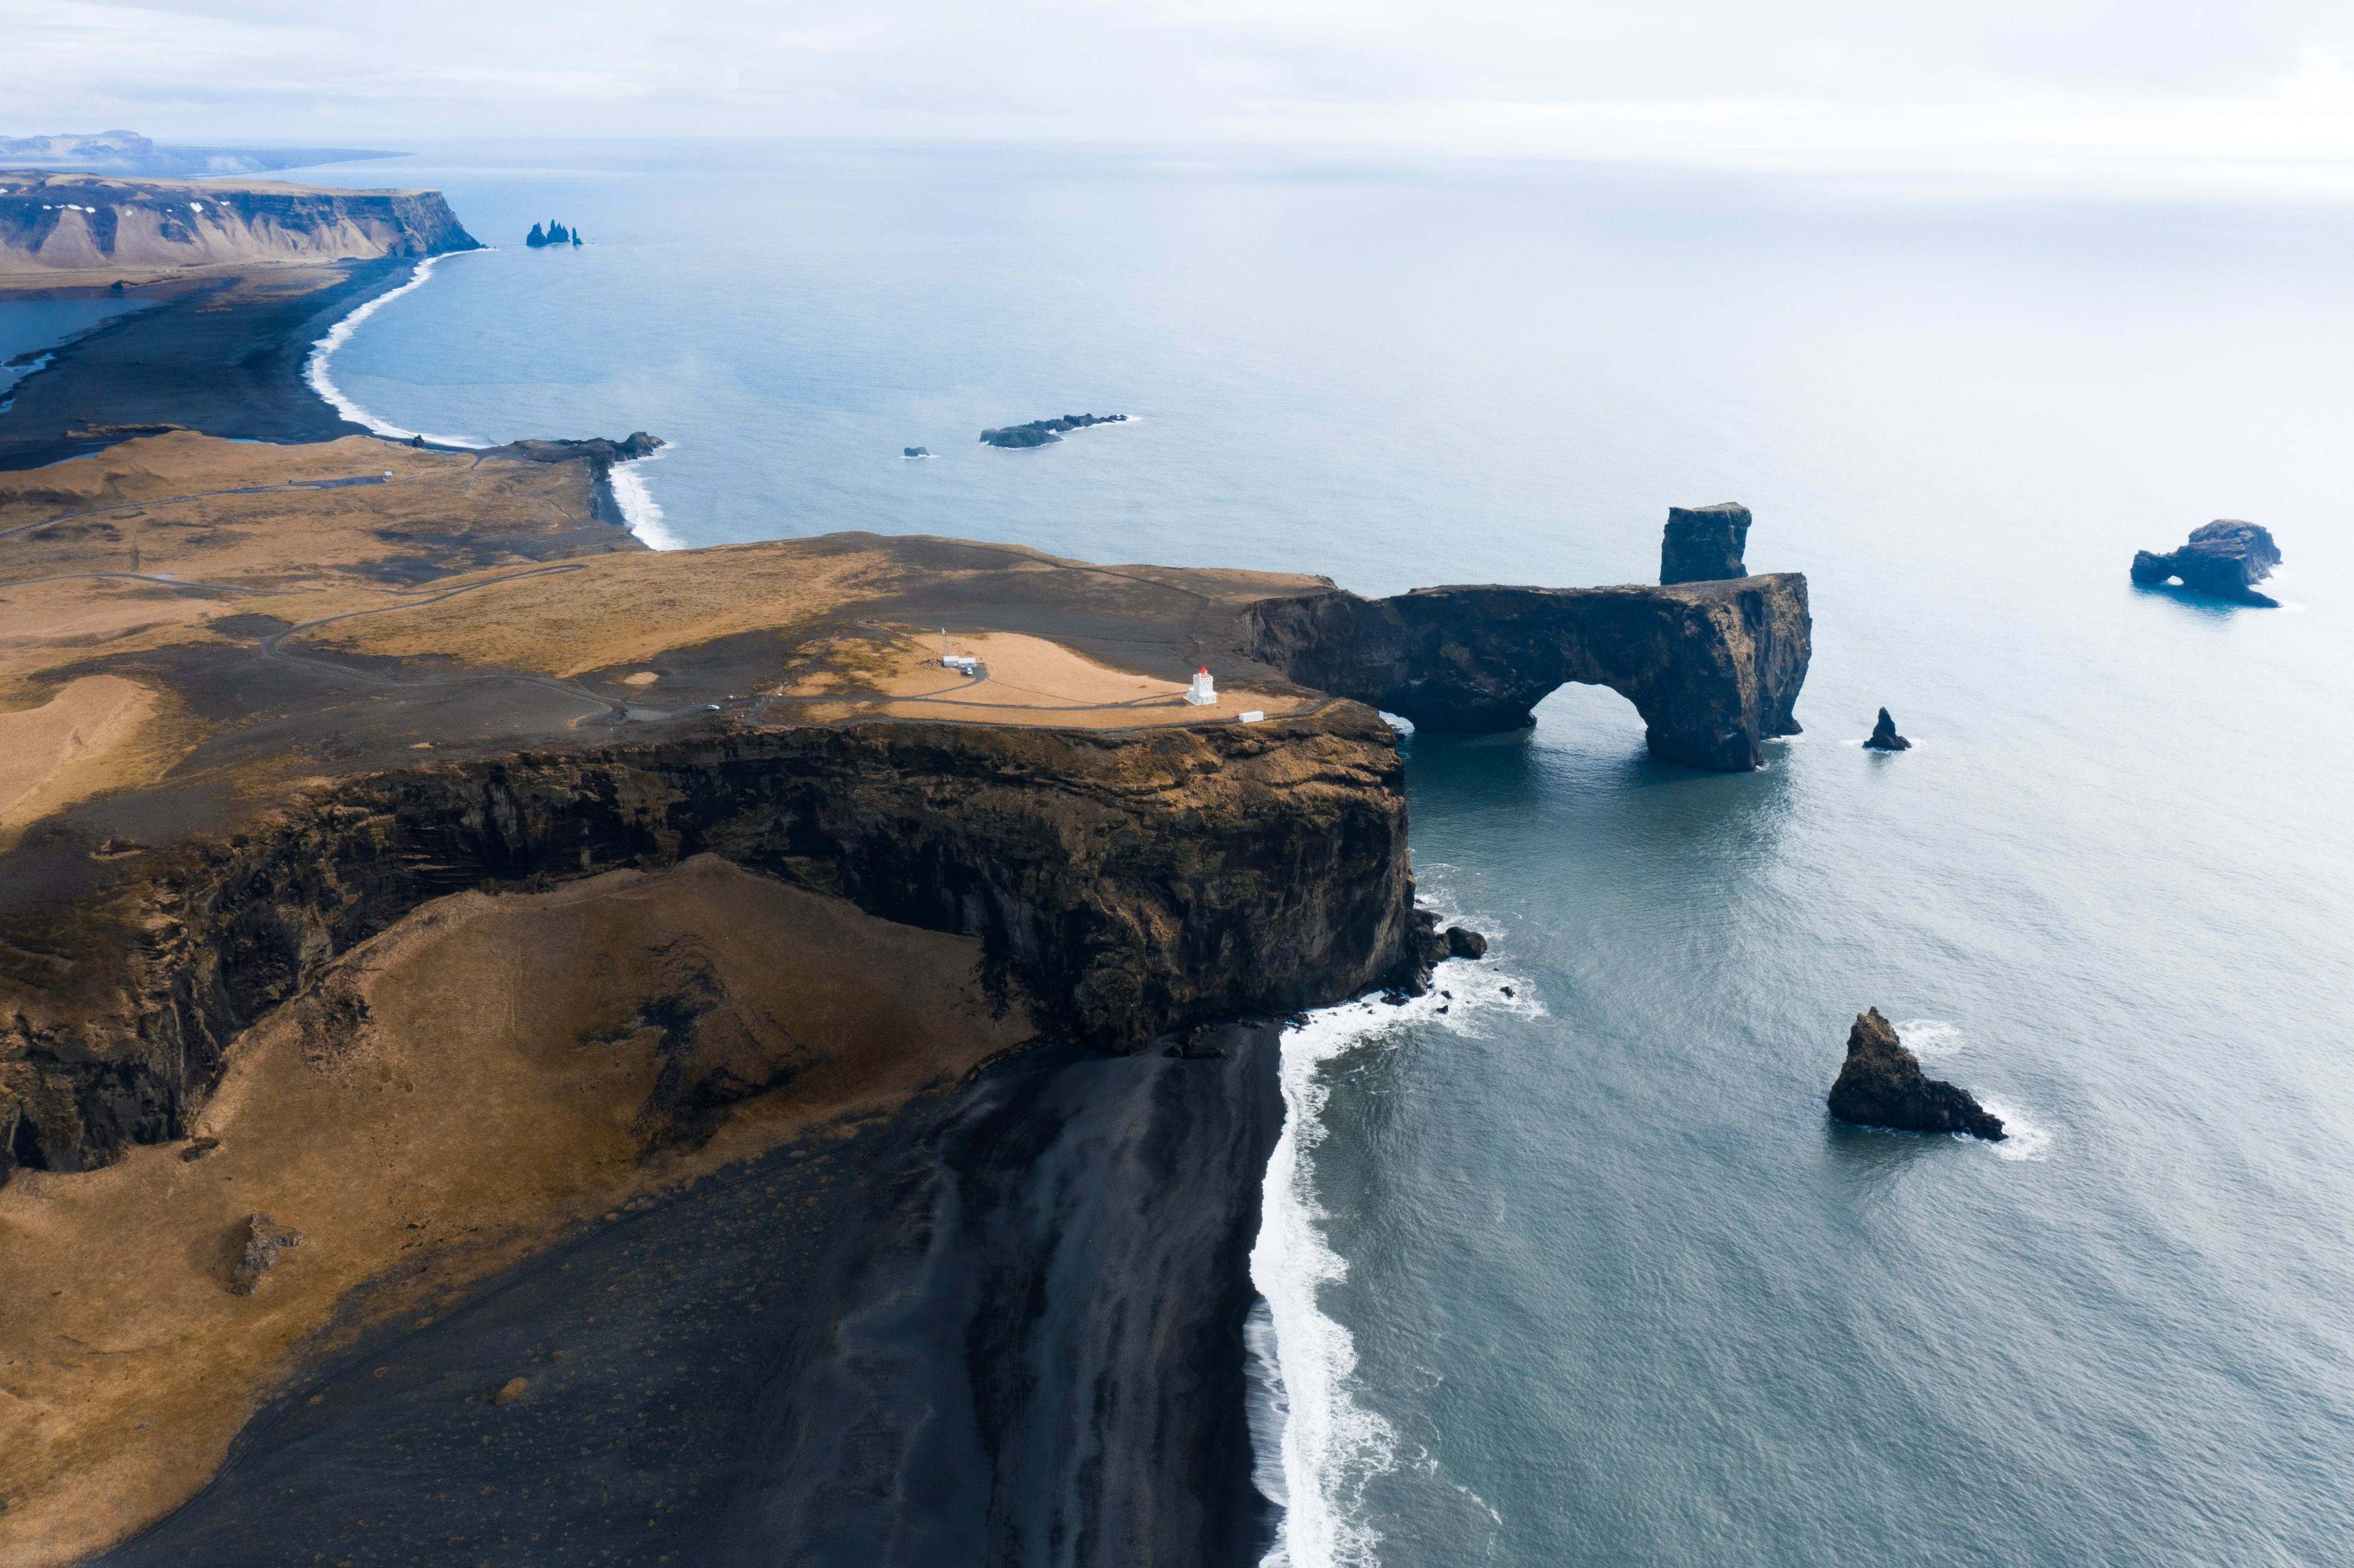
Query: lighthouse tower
x,y
1202,694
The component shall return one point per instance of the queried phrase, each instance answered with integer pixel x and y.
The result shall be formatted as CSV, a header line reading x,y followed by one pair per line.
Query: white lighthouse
x,y
1202,694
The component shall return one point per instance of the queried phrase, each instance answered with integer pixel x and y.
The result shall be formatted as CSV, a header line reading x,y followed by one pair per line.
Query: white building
x,y
1202,694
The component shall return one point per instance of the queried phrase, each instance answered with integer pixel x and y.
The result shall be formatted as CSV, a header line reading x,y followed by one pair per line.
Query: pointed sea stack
x,y
1884,737
1705,543
1883,1086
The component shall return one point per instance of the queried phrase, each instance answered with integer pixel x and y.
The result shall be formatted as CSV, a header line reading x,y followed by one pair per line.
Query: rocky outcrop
x,y
1039,432
1123,885
2225,558
1714,668
1881,1085
1883,737
601,453
554,234
1705,543
51,222
259,1240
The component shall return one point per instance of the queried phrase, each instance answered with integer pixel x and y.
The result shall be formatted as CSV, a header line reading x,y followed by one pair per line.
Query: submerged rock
x,y
1881,1085
915,451
1884,737
265,1238
2225,560
1705,543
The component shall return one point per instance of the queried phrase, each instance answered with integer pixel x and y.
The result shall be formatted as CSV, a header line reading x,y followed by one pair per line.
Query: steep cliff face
x,y
1122,885
1705,543
1714,668
67,222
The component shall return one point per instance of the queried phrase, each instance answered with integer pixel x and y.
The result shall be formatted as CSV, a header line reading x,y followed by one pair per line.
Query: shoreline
x,y
222,356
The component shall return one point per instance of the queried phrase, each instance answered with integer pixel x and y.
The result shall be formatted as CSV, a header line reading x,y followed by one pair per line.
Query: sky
x,y
2256,93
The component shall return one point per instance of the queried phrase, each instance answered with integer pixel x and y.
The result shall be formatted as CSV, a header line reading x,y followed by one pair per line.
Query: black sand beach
x,y
193,360
1003,1328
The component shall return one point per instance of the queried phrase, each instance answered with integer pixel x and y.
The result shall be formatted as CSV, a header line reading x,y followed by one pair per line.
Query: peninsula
x,y
607,965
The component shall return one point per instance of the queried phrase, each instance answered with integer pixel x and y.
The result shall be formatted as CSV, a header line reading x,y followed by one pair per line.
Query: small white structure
x,y
1202,694
1255,716
964,663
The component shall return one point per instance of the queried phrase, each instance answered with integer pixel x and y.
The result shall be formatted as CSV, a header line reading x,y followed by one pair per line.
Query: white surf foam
x,y
1940,1039
1324,1445
2023,1138
1931,1037
315,368
639,508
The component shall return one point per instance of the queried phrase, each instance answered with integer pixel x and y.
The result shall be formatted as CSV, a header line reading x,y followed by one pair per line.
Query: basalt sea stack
x,y
2224,559
1883,1086
1705,543
1884,737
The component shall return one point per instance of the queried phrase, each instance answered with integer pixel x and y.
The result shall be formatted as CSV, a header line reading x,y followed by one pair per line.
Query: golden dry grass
x,y
489,1103
67,749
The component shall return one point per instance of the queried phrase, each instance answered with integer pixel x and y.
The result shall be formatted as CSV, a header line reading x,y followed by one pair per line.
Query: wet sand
x,y
1003,1327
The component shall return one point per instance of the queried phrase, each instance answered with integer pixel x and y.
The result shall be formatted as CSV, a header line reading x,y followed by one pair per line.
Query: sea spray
x,y
639,508
315,367
1316,1448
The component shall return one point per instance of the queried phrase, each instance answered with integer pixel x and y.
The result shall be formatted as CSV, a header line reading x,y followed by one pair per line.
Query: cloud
x,y
1859,83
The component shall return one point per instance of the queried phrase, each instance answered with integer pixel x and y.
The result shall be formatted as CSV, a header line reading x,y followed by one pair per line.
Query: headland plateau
x,y
739,1080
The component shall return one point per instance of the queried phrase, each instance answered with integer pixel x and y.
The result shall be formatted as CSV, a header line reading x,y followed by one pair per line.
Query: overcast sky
x,y
2256,91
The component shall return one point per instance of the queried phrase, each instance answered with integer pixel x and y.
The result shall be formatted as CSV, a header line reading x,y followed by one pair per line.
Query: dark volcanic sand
x,y
1004,1329
235,372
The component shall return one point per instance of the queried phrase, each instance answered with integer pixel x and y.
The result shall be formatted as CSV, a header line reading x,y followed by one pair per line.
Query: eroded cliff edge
x,y
1121,885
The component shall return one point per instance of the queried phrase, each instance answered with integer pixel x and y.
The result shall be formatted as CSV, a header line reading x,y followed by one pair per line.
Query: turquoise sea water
x,y
1608,1286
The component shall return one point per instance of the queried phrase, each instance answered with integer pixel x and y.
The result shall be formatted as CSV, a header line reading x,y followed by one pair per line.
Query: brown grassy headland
x,y
463,1089
198,632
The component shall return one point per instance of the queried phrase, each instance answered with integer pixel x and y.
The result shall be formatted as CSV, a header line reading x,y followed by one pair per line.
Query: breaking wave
x,y
316,373
1315,1447
639,508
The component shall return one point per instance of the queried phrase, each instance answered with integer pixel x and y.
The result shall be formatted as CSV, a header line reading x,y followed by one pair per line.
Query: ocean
x,y
1584,1273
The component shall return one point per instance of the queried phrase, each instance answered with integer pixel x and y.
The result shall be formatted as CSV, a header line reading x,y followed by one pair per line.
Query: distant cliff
x,y
128,153
53,223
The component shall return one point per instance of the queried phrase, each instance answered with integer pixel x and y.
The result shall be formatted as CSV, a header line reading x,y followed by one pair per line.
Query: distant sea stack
x,y
554,234
1705,543
1038,432
1883,1086
2225,560
1884,737
72,222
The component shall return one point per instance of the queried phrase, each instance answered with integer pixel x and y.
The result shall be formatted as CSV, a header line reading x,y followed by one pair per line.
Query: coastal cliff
x,y
63,223
1121,885
1714,668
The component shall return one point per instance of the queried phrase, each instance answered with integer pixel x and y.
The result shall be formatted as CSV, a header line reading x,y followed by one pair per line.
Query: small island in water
x,y
1039,432
539,238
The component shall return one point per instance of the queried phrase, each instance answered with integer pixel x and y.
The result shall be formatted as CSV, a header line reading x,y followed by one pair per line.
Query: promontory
x,y
397,856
